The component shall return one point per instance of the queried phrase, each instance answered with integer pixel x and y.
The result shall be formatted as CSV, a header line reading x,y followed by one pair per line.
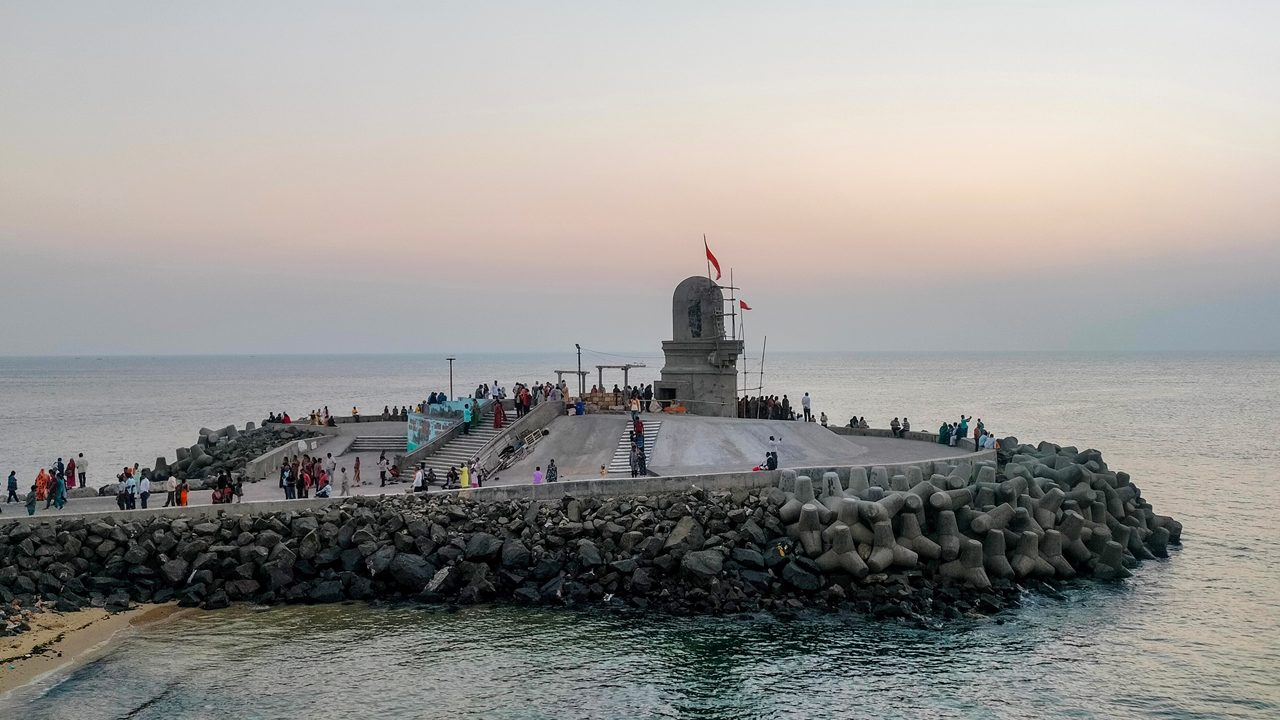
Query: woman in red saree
x,y
499,415
42,485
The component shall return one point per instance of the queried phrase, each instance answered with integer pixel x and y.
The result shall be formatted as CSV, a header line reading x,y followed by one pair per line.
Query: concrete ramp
x,y
691,445
580,444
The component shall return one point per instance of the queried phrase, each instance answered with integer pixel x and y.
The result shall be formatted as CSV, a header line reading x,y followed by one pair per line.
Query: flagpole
x,y
763,347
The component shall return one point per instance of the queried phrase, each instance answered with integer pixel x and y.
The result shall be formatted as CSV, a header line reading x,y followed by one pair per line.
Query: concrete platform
x,y
691,445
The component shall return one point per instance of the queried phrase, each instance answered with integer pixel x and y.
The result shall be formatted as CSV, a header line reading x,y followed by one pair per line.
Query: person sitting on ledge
x,y
429,479
906,427
451,478
944,434
862,423
285,419
386,413
895,427
355,414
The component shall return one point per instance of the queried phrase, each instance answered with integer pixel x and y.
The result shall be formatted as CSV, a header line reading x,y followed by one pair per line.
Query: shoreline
x,y
58,641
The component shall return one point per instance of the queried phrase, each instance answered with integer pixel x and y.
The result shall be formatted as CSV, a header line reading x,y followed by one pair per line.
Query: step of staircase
x,y
462,448
376,443
620,464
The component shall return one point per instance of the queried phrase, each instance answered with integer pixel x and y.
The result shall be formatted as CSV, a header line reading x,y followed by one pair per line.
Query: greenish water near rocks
x,y
1099,651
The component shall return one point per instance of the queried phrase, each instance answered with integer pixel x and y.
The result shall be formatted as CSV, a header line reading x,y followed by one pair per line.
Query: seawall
x,y
891,544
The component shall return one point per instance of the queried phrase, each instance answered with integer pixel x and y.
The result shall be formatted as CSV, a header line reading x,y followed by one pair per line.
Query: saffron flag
x,y
711,258
743,304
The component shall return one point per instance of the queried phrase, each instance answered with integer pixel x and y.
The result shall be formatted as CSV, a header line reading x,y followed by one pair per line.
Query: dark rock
x,y
217,600
515,554
589,554
411,572
328,591
380,560
799,578
703,563
686,535
483,546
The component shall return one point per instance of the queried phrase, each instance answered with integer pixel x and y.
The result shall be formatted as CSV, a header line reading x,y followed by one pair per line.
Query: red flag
x,y
743,304
711,258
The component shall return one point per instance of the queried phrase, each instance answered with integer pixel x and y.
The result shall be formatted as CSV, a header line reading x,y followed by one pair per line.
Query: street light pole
x,y
581,388
451,397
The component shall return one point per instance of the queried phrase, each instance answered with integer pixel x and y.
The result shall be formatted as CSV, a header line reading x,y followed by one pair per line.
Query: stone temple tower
x,y
701,370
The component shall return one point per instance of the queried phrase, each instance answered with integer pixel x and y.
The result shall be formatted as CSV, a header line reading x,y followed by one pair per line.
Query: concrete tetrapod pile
x,y
962,541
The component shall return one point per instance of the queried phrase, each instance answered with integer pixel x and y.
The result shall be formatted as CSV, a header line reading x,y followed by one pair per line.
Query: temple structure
x,y
701,370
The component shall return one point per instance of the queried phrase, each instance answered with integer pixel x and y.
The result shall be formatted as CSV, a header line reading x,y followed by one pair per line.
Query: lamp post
x,y
582,390
451,376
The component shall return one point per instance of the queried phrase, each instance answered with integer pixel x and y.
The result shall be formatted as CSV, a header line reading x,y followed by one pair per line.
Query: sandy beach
x,y
57,640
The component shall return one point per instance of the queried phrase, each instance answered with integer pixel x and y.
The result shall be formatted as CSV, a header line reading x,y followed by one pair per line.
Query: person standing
x,y
144,489
130,491
82,467
331,467
805,402
12,487
604,473
120,492
553,472
383,466
286,482
355,472
464,477
184,488
466,419
71,473
31,501
171,492
60,492
346,484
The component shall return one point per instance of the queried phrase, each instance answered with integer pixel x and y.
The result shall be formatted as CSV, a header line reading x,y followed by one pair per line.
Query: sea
x,y
1196,635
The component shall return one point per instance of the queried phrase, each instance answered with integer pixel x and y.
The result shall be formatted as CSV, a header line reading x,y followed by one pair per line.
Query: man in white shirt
x,y
804,402
171,492
144,490
417,479
331,467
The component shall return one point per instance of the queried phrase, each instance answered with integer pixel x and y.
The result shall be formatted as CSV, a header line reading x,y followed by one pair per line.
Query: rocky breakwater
x,y
228,449
966,539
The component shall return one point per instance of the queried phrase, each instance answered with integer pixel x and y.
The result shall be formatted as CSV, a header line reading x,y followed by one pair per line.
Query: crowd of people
x,y
303,475
771,407
50,485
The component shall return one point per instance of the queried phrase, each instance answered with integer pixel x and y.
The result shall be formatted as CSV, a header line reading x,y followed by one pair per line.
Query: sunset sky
x,y
238,177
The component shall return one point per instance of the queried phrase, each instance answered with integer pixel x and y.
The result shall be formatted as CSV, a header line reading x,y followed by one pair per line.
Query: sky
x,y
300,177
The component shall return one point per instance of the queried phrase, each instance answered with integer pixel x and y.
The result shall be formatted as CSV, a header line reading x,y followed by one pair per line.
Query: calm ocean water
x,y
1197,635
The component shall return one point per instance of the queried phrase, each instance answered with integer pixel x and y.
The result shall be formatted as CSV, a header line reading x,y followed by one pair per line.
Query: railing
x,y
539,417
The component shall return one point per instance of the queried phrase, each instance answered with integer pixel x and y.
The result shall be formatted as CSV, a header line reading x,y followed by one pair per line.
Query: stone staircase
x,y
378,443
620,463
462,448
